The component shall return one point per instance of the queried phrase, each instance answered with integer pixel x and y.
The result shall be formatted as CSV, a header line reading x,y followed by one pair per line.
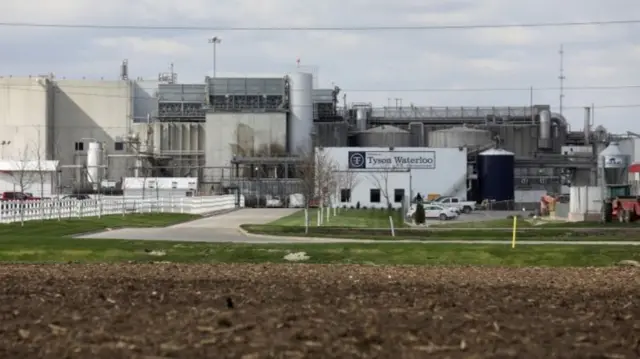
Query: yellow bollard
x,y
515,226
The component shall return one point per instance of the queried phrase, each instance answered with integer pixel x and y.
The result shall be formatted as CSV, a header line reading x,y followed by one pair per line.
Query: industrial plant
x,y
252,136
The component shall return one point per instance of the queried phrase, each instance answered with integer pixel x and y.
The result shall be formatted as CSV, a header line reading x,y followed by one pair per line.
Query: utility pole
x,y
214,41
561,77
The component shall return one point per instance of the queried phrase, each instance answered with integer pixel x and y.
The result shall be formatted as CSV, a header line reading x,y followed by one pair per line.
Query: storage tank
x,y
300,121
496,177
361,118
544,139
459,137
94,162
613,164
384,136
416,129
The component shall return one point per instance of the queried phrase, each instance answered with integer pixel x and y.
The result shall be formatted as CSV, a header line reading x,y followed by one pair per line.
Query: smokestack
x,y
124,70
587,124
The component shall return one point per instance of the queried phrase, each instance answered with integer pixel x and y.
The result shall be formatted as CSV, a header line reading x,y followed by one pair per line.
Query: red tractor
x,y
624,207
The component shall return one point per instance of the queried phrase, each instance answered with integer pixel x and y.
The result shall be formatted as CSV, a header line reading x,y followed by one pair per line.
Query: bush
x,y
363,207
358,205
419,217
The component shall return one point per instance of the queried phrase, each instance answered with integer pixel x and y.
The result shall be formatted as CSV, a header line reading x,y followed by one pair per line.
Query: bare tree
x,y
380,180
316,173
346,180
23,175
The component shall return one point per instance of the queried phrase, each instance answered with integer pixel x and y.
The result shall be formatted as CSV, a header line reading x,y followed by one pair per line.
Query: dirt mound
x,y
310,311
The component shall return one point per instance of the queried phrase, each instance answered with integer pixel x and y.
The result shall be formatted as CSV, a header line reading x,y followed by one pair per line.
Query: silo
x,y
384,136
416,129
612,163
300,121
94,162
496,176
361,118
459,137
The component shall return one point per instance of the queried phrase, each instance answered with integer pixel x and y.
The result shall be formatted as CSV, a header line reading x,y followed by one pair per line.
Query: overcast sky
x,y
378,61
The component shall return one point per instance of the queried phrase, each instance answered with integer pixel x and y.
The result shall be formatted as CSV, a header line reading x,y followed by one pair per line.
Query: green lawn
x,y
66,250
530,222
461,233
355,218
67,227
50,242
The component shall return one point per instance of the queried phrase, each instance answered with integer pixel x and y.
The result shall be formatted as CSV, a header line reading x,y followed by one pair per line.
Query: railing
x,y
19,211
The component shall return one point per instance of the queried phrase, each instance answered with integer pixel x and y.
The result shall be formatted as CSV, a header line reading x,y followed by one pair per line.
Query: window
x,y
345,195
174,184
79,146
119,146
374,195
454,200
398,195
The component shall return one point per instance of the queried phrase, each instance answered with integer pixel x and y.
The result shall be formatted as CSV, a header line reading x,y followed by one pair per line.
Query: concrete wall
x,y
99,110
25,118
447,176
242,134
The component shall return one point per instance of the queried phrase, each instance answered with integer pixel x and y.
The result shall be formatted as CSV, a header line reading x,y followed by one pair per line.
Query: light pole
x,y
215,41
4,143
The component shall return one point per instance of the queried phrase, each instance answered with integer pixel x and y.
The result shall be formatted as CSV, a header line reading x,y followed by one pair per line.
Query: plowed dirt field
x,y
313,311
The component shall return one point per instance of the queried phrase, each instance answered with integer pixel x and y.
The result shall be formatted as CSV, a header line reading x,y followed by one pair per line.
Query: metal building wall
x,y
87,110
241,134
26,118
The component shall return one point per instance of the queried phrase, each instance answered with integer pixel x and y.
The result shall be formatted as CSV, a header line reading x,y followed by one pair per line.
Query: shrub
x,y
363,207
419,216
358,205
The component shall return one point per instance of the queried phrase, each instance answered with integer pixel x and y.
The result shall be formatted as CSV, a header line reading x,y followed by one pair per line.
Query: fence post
x,y
393,231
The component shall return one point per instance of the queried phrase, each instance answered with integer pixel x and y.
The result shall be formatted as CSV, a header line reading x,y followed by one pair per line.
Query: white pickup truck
x,y
454,202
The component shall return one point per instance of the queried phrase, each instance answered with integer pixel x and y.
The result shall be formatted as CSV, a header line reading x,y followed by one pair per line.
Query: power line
x,y
320,28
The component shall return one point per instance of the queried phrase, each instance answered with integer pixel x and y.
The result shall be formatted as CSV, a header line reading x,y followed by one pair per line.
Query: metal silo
x,y
384,136
496,176
416,129
300,121
331,134
459,137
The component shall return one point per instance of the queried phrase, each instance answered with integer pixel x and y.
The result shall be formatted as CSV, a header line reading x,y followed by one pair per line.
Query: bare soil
x,y
313,311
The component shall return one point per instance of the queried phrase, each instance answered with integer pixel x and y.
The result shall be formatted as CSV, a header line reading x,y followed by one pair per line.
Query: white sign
x,y
399,160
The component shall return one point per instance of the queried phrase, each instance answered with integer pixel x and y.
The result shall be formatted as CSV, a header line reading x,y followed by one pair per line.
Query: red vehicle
x,y
18,196
624,206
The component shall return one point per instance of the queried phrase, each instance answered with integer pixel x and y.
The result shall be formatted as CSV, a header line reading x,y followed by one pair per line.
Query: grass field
x,y
530,223
50,242
355,218
67,227
64,250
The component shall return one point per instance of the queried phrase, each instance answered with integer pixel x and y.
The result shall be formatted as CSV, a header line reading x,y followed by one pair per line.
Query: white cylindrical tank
x,y
613,164
544,140
361,119
94,162
301,115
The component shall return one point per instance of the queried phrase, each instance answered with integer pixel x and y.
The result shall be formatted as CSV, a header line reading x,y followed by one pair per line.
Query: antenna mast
x,y
561,77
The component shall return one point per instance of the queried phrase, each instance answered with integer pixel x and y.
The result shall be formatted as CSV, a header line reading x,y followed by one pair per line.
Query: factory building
x,y
378,177
252,134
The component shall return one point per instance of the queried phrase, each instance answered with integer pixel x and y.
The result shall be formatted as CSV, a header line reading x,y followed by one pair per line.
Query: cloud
x,y
354,60
142,46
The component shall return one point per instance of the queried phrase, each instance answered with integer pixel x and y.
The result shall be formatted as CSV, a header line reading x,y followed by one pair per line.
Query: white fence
x,y
17,211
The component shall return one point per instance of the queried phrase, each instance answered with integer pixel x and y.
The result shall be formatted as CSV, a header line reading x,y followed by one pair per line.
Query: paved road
x,y
224,229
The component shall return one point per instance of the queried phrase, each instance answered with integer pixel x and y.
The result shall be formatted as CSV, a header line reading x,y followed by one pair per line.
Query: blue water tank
x,y
496,175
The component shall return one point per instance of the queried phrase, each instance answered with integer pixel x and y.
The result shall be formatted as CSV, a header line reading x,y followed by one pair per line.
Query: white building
x,y
373,175
36,177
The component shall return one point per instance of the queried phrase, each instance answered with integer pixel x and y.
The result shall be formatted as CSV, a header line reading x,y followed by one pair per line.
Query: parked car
x,y
454,202
80,197
432,211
